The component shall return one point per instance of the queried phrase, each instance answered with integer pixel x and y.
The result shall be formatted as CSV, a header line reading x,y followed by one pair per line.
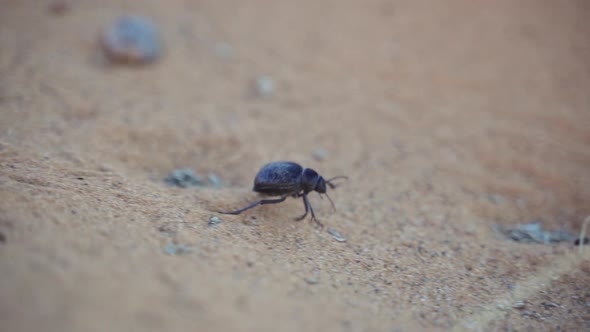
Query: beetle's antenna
x,y
333,206
334,178
338,177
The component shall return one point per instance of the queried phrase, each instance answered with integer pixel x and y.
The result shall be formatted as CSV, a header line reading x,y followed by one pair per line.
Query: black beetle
x,y
286,178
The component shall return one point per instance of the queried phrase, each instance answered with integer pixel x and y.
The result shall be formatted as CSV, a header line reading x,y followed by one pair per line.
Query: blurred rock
x,y
214,221
336,235
265,86
131,40
184,178
533,233
320,154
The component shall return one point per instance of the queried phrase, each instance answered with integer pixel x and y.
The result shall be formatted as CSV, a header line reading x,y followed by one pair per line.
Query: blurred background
x,y
124,126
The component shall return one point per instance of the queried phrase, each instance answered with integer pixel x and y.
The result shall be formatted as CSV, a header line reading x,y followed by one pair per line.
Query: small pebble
x,y
132,40
265,86
170,249
519,305
183,178
336,235
501,307
174,249
214,221
534,233
532,314
312,280
320,154
550,304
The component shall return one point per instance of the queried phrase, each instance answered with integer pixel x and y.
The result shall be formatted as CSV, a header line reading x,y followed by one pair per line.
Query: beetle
x,y
286,178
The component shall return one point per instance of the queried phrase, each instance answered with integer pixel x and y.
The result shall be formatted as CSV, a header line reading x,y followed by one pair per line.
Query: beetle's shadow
x,y
251,205
263,207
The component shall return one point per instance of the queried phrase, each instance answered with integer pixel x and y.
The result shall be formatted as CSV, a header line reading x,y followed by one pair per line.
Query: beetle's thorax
x,y
309,180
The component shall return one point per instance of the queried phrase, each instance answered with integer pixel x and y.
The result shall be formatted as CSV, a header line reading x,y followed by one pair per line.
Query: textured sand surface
x,y
449,117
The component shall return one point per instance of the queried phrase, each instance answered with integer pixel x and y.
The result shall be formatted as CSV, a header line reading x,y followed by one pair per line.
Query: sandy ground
x,y
449,117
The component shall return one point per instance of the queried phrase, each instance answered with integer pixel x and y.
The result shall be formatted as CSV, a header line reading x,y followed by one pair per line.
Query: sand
x,y
448,117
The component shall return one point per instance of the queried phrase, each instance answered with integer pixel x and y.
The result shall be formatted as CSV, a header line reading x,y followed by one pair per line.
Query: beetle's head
x,y
321,185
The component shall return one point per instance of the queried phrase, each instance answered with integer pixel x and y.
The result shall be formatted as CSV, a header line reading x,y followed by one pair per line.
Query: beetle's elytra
x,y
286,178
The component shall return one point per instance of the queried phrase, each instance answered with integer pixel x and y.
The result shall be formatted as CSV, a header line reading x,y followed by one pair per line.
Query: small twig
x,y
583,233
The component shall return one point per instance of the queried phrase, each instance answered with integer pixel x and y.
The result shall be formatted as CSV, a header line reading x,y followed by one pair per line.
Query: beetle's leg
x,y
260,202
312,214
305,202
308,208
